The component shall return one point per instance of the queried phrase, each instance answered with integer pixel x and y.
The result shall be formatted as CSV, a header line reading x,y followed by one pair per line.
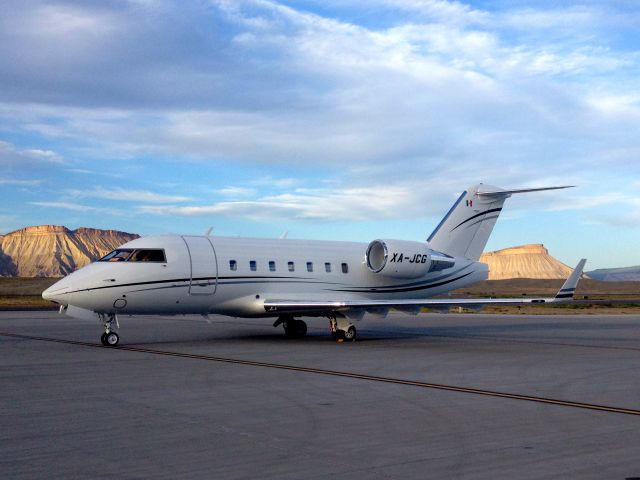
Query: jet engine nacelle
x,y
398,258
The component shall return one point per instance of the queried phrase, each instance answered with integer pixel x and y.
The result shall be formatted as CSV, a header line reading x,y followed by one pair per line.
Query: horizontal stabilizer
x,y
521,190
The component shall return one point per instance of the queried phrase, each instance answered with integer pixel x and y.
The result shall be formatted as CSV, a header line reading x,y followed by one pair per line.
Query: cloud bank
x,y
319,110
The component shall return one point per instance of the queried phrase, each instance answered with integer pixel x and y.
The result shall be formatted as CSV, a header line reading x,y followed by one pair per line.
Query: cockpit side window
x,y
148,255
119,255
130,255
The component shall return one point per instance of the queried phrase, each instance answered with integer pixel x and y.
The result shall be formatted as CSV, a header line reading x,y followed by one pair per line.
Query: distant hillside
x,y
54,251
628,274
526,261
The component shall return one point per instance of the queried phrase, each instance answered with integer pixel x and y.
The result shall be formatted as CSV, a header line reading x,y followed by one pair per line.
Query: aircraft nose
x,y
48,294
55,291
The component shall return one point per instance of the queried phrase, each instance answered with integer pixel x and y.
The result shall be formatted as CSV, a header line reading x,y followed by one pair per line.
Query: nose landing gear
x,y
341,330
110,337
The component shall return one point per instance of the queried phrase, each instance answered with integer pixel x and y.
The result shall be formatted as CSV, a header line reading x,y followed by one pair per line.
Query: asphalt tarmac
x,y
433,396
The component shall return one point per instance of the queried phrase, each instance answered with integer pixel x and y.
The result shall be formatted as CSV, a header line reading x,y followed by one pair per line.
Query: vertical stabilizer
x,y
465,229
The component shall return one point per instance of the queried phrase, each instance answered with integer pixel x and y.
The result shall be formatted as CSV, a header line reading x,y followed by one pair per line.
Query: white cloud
x,y
442,11
20,183
236,191
65,206
13,156
121,194
78,207
595,200
327,91
56,21
624,106
275,182
371,203
623,209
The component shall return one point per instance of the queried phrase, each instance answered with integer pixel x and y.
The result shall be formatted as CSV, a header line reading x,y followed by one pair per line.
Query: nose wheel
x,y
341,330
110,337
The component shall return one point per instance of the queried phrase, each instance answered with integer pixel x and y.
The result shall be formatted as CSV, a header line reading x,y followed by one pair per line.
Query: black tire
x,y
112,339
289,328
295,328
301,328
103,339
350,334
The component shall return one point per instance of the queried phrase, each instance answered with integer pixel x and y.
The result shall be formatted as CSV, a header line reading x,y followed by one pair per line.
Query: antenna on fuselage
x,y
208,232
284,235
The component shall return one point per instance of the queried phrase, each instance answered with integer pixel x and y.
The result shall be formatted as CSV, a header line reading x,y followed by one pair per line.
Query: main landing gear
x,y
110,337
341,329
293,328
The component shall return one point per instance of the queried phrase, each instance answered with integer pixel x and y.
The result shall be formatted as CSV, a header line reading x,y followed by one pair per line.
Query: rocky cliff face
x,y
55,251
527,261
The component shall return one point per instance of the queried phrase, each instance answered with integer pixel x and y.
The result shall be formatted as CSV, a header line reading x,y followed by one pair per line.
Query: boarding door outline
x,y
203,263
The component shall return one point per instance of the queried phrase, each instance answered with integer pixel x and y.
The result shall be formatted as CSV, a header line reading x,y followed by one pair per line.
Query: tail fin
x,y
465,229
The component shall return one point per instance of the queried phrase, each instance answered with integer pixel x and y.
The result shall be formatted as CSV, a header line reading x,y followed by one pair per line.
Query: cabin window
x,y
345,268
119,255
272,266
327,267
309,266
233,265
148,255
253,266
291,266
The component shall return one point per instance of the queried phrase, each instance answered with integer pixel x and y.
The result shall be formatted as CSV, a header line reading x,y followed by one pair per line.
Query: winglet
x,y
569,287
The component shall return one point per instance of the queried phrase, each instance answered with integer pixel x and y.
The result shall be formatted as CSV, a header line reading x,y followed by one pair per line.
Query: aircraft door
x,y
204,265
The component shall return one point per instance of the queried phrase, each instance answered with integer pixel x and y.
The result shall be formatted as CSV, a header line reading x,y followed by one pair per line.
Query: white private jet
x,y
282,278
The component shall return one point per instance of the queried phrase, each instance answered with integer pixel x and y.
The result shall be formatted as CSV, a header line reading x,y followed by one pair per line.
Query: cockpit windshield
x,y
139,255
120,255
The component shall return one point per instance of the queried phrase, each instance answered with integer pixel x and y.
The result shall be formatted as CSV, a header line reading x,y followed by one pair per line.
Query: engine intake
x,y
398,258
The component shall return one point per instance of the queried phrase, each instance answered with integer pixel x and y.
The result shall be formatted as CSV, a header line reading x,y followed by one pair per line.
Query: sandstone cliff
x,y
527,261
54,251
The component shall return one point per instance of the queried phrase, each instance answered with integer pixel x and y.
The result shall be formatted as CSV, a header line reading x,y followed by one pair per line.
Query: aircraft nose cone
x,y
54,292
47,294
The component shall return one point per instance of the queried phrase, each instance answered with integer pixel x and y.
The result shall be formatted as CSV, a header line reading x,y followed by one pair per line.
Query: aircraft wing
x,y
564,295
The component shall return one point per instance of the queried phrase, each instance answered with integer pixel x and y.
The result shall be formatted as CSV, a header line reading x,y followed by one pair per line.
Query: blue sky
x,y
328,119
